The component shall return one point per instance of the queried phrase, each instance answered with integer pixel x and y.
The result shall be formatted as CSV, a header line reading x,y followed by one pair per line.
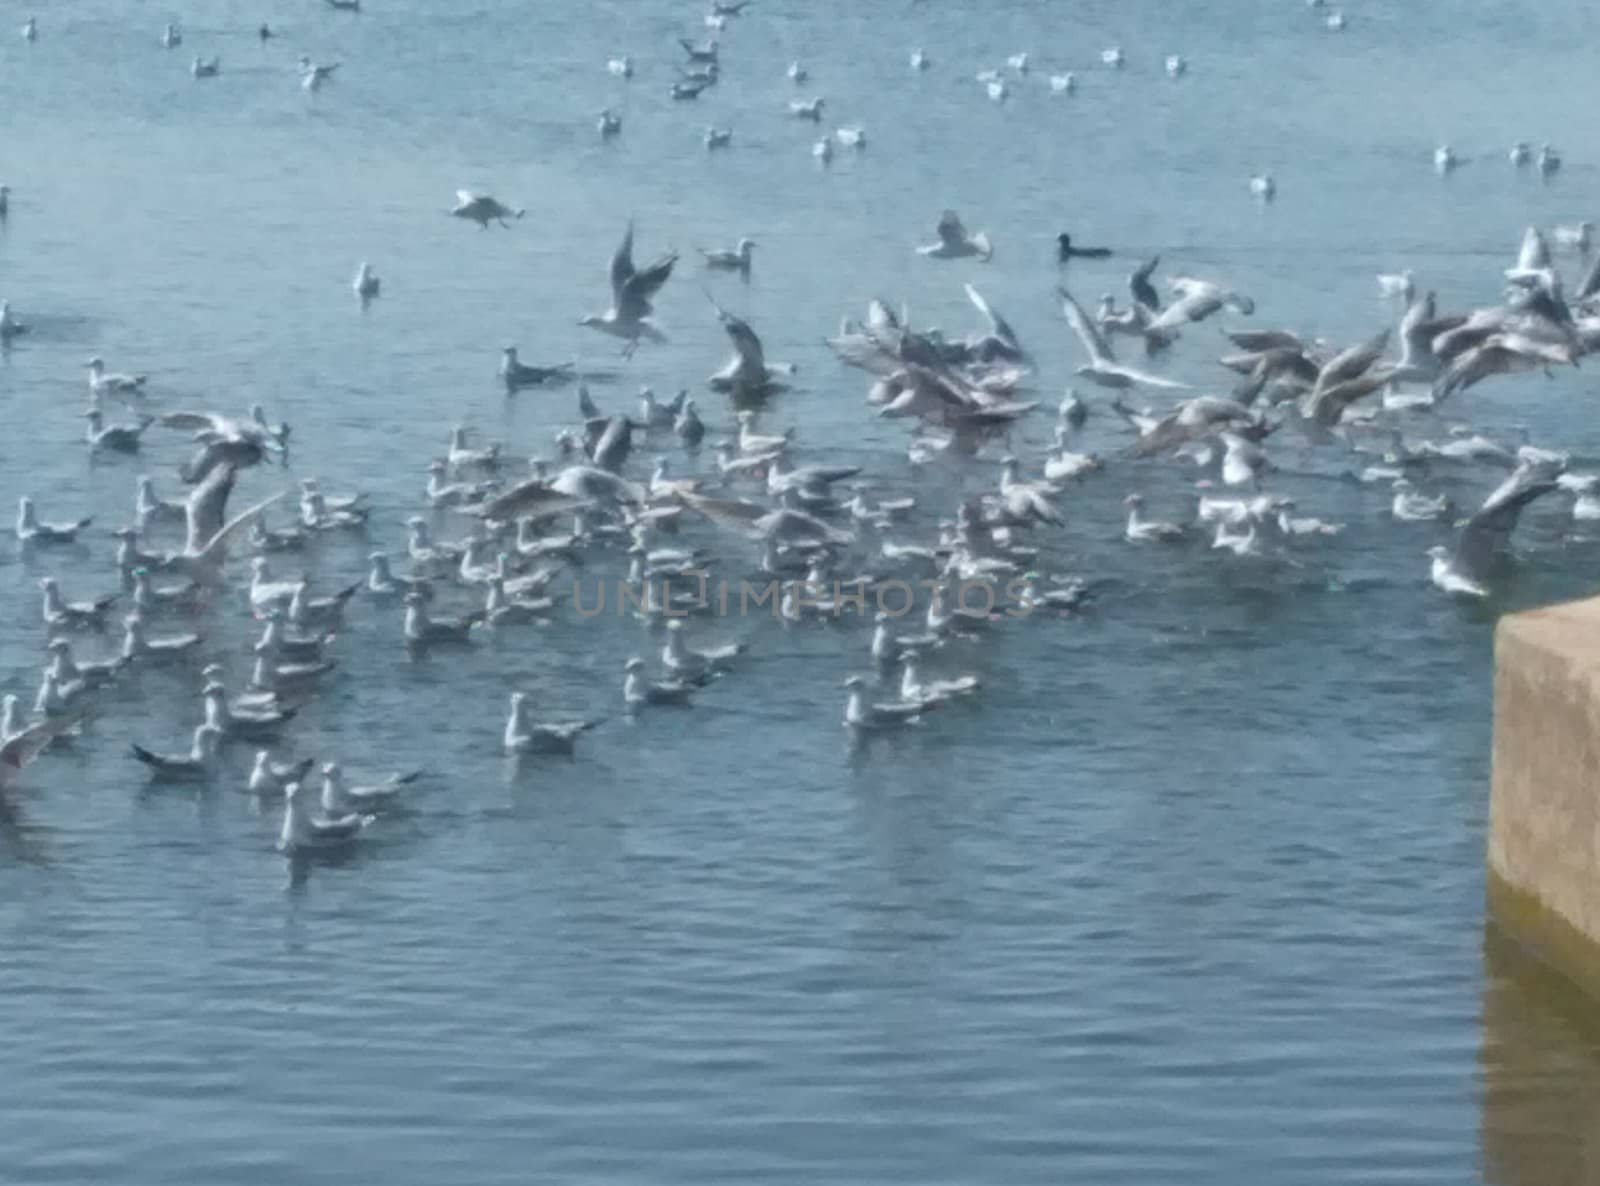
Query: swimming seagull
x,y
1112,57
366,282
610,124
639,692
807,109
10,327
1141,530
31,531
304,830
851,136
515,373
695,664
716,138
1548,160
955,242
1335,22
621,67
201,68
737,260
523,736
823,150
196,764
61,614
1577,238
1176,65
1464,570
338,798
482,209
919,60
628,317
1018,62
270,778
171,36
101,383
859,714
1263,187
797,73
312,76
1063,84
1520,153
1445,159
1409,506
700,53
421,630
996,89
30,29
117,438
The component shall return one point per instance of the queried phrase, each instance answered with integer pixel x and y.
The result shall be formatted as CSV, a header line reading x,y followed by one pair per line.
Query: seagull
x,y
700,53
117,438
1141,530
10,327
823,150
270,778
30,29
482,209
1548,160
859,714
639,692
914,690
1018,62
1112,57
797,73
1520,153
89,674
312,75
523,736
1063,84
1577,238
422,630
101,383
919,60
61,614
1335,22
31,531
1399,285
337,798
515,373
632,288
201,68
1445,159
695,664
171,36
1263,187
1465,569
303,830
366,282
1102,367
462,456
194,765
1409,506
610,124
737,260
264,33
807,109
621,67
1176,65
955,242
716,138
997,90
851,136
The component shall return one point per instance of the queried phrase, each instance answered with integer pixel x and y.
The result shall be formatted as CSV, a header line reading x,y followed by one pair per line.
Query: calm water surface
x,y
1193,893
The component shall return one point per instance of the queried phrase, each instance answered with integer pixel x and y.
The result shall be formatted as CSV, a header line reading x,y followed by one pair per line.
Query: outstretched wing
x,y
1000,327
532,497
1096,345
731,514
206,506
622,266
743,337
634,302
1139,284
950,230
1489,530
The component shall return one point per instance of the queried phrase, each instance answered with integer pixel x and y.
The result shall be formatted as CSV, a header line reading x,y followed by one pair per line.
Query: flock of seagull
x,y
504,538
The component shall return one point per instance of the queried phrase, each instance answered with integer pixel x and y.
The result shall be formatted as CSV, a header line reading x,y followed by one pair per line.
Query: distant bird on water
x,y
1065,250
366,282
345,5
482,209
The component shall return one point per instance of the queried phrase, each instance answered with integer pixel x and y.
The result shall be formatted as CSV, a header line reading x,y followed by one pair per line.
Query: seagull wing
x,y
622,266
637,290
1096,345
532,497
1534,254
24,747
997,324
219,542
1139,284
731,514
1489,530
206,506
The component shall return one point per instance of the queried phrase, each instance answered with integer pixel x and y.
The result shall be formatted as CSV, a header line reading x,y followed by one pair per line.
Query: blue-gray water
x,y
1194,889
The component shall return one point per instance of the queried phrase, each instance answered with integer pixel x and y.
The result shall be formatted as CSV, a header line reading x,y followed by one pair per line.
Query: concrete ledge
x,y
1544,807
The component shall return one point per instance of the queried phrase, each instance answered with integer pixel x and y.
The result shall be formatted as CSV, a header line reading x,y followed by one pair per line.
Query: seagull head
x,y
634,664
854,681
